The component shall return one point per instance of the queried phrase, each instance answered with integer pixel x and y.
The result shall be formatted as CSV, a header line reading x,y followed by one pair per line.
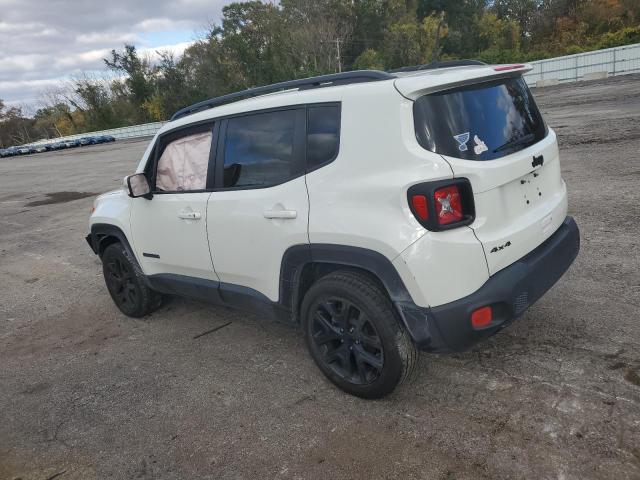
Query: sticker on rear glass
x,y
480,145
462,140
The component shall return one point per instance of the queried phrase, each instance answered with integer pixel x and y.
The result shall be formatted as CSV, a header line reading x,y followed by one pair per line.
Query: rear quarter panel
x,y
361,200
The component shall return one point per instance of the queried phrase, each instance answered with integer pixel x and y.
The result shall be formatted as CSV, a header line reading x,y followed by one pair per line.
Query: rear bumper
x,y
510,292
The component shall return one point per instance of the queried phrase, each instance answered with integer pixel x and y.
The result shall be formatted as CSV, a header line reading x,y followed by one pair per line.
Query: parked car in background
x,y
11,151
58,146
26,150
72,143
88,141
43,148
4,152
105,139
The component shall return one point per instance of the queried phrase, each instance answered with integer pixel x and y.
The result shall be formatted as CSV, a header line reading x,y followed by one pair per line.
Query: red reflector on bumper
x,y
481,317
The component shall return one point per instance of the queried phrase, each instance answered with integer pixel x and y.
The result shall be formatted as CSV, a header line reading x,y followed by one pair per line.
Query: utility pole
x,y
338,57
435,55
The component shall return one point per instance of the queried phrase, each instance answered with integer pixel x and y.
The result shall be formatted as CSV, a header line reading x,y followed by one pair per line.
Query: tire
x,y
354,336
126,283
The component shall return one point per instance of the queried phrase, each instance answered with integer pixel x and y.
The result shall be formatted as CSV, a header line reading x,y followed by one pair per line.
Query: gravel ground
x,y
88,393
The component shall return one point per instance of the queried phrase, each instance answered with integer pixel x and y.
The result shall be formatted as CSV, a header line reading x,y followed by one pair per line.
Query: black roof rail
x,y
434,65
345,78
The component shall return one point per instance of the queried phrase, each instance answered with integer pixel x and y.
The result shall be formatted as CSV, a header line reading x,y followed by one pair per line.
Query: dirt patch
x,y
617,366
632,376
36,388
60,197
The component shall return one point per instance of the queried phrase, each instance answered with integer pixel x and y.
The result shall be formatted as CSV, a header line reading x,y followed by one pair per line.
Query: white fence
x,y
571,68
134,131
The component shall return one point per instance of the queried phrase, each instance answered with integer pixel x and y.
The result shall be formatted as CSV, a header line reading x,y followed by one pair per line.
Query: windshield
x,y
482,121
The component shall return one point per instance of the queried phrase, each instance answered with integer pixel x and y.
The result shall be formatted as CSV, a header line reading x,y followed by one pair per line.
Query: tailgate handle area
x,y
537,161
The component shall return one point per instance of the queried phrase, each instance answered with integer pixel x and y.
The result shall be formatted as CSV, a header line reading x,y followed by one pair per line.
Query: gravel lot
x,y
88,393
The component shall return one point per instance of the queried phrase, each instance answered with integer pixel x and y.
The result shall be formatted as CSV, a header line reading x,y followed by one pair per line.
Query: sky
x,y
45,42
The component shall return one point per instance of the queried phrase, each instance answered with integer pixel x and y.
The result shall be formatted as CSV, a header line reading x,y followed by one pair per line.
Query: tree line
x,y
259,43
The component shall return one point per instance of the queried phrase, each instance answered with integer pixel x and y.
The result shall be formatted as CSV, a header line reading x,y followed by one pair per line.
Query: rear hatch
x,y
484,122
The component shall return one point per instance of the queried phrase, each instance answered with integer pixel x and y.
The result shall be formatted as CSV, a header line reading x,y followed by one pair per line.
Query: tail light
x,y
442,205
419,203
448,205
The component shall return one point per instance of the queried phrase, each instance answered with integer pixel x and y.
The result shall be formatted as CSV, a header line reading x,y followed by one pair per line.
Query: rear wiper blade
x,y
516,142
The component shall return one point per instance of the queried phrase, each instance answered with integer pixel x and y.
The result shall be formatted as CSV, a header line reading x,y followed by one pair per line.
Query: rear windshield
x,y
483,121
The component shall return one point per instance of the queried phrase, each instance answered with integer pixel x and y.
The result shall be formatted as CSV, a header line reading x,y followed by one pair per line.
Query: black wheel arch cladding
x,y
103,234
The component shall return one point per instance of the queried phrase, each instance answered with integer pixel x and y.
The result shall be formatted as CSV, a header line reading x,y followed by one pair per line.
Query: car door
x,y
260,205
170,229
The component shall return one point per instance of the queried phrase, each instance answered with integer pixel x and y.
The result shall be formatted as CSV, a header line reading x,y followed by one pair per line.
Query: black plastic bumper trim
x,y
89,239
510,292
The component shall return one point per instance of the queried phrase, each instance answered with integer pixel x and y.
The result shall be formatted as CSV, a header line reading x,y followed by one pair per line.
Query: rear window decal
x,y
462,140
498,112
480,145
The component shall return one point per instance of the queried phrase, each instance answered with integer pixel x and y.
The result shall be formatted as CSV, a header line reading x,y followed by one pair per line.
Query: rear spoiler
x,y
415,85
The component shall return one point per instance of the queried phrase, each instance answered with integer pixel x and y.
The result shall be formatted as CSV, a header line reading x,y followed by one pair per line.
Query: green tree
x,y
498,34
93,101
369,59
54,121
139,76
410,42
523,12
15,128
460,15
172,89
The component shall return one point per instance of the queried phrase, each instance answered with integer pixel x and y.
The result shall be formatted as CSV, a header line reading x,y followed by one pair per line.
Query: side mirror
x,y
138,186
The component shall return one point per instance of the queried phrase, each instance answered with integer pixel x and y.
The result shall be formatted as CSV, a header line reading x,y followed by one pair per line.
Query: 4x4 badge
x,y
500,247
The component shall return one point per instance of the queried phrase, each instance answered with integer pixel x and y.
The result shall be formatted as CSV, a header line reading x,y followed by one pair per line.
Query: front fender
x,y
112,209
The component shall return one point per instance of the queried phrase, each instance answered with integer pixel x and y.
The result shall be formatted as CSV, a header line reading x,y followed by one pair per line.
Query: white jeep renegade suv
x,y
384,212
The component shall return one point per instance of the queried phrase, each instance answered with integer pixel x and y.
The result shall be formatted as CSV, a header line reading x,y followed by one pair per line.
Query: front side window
x,y
482,121
323,134
184,163
259,150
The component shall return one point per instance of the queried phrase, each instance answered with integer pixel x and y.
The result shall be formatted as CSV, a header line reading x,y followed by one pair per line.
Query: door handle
x,y
280,214
185,215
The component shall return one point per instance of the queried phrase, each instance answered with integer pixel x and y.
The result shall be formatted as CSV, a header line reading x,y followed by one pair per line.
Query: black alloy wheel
x,y
127,284
120,281
347,341
354,335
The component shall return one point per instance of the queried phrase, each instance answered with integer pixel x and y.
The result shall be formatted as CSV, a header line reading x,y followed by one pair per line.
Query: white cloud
x,y
102,38
176,49
156,24
42,43
6,27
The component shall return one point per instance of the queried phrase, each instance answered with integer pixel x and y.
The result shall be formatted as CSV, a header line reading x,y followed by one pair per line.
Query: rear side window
x,y
483,121
259,149
323,134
